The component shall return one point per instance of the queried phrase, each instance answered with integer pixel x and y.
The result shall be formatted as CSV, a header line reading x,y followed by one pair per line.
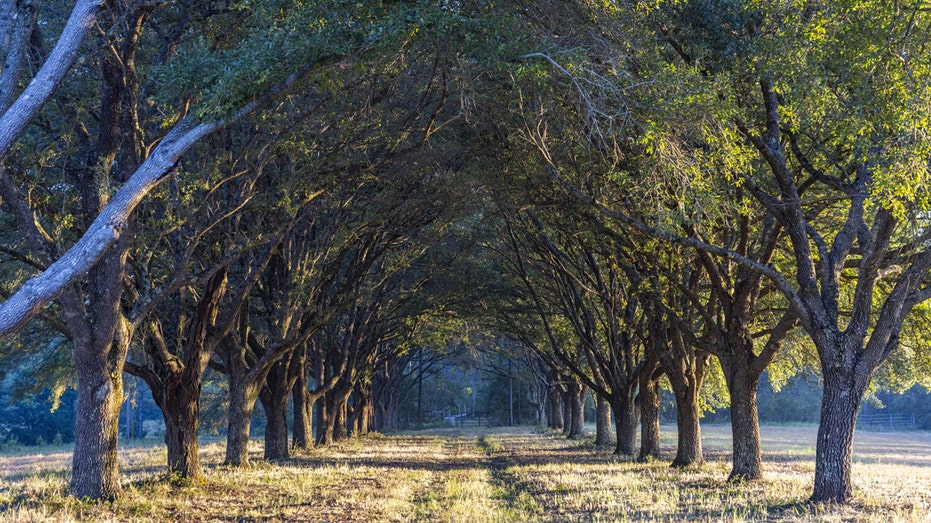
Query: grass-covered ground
x,y
493,475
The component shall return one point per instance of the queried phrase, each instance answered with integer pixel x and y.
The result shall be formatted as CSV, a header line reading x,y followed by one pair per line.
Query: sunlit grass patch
x,y
572,484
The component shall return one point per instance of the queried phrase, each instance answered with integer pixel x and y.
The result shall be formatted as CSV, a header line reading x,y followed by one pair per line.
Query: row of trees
x,y
294,243
295,194
750,170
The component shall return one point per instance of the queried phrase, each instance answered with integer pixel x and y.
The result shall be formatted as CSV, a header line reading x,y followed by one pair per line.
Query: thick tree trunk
x,y
689,451
567,404
340,419
840,404
648,400
362,422
242,404
626,418
602,421
577,405
276,428
745,425
359,418
686,368
556,409
274,397
95,474
331,416
179,403
324,434
385,415
100,347
302,409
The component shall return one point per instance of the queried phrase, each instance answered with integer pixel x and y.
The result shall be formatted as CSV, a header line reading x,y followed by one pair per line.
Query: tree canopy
x,y
316,199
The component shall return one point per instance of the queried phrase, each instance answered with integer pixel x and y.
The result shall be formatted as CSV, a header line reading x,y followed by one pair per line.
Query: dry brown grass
x,y
494,475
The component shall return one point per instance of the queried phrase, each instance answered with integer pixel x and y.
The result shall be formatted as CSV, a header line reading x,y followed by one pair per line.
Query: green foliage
x,y
713,394
256,45
36,419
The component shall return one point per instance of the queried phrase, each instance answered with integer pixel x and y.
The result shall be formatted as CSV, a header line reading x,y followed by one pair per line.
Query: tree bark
x,y
689,450
685,366
242,404
648,399
626,419
276,428
331,414
840,405
179,403
274,398
364,419
602,421
577,393
340,419
243,396
302,409
745,424
324,435
556,408
95,471
361,410
101,338
176,382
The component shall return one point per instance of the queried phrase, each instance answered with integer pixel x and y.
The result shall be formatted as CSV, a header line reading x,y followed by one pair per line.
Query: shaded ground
x,y
488,475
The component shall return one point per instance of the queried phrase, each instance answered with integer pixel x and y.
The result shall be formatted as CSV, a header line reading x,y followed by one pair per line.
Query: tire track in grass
x,y
462,487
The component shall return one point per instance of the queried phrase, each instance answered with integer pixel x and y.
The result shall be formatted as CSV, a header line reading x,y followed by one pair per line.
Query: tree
x,y
866,251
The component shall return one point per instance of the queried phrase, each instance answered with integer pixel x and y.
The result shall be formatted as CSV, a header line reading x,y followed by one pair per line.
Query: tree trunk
x,y
626,418
242,404
301,404
179,403
332,409
577,405
567,404
302,410
362,424
385,415
274,397
324,423
602,421
100,347
686,367
95,474
276,427
689,451
840,404
556,408
358,421
340,419
745,425
648,398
